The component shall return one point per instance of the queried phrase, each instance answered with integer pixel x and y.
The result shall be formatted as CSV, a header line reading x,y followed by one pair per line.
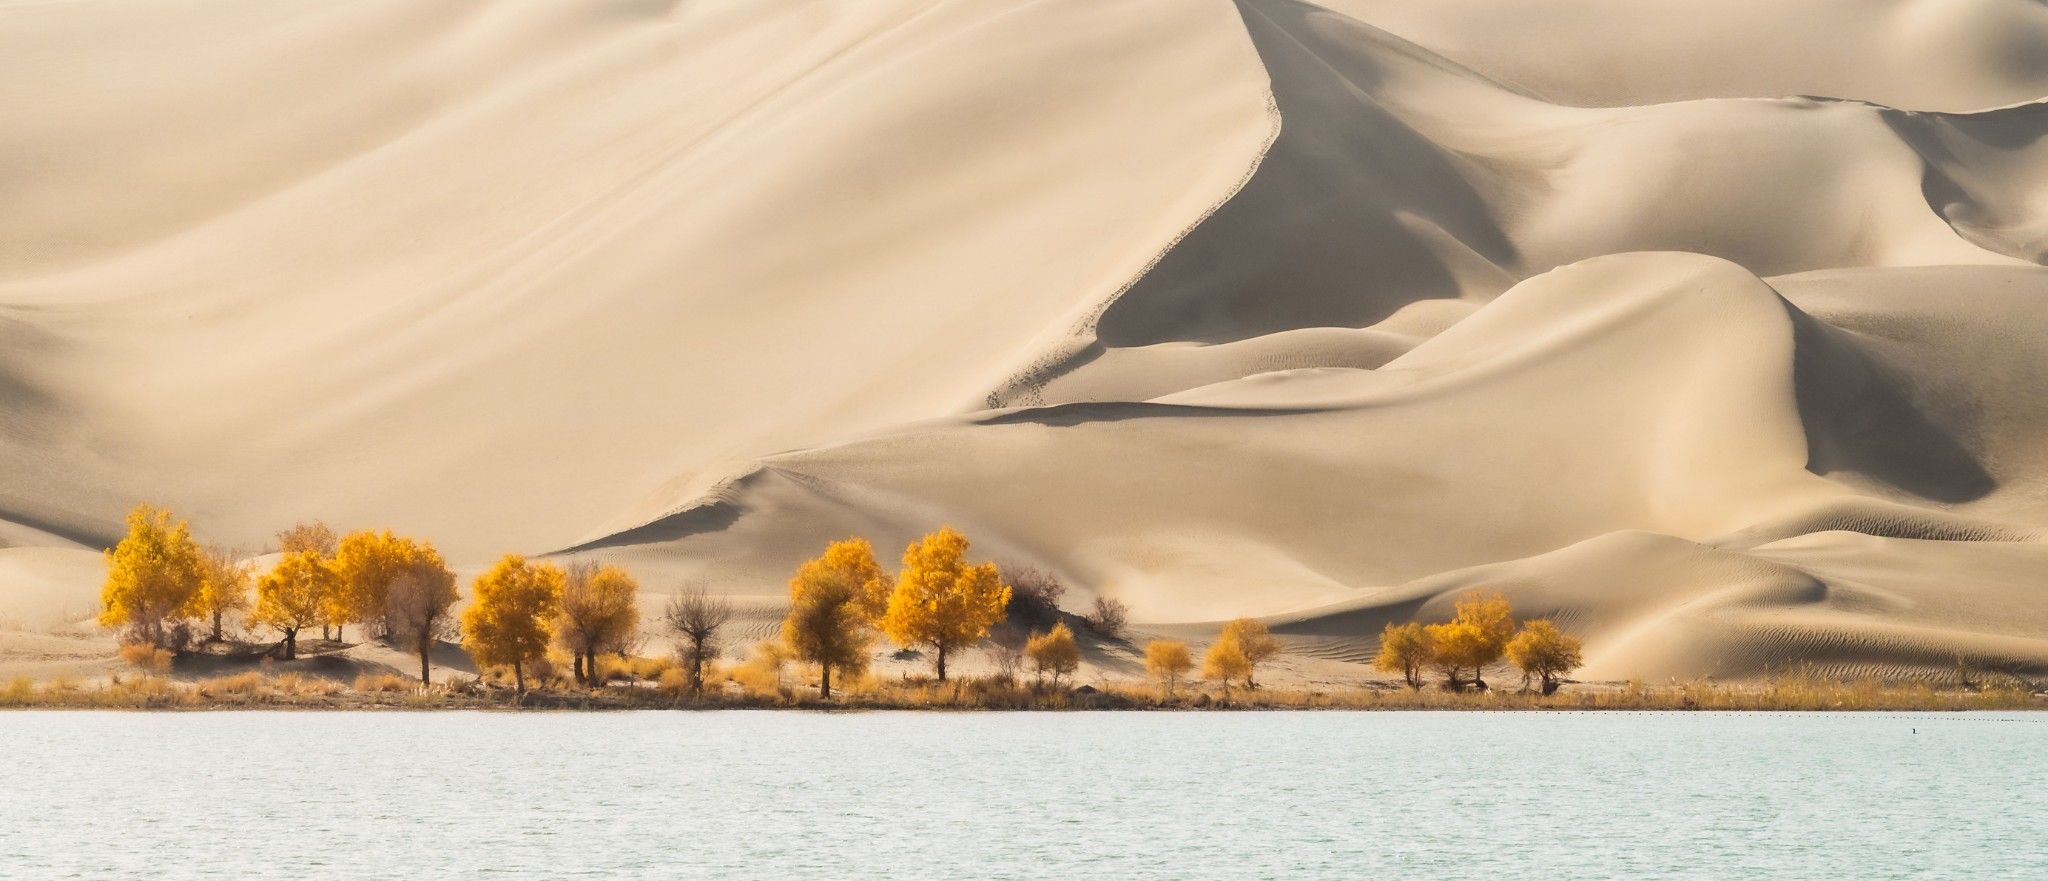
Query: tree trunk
x,y
426,644
825,681
216,626
579,669
696,667
291,639
518,678
590,666
942,663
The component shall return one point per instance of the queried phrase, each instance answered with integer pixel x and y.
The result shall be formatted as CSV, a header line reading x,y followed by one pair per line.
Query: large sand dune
x,y
1717,330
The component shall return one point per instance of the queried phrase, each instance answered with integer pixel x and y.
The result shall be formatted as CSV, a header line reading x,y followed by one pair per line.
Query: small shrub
x,y
146,657
673,681
761,674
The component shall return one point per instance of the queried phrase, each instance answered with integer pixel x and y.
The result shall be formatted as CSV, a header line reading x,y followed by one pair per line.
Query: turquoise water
x,y
1023,795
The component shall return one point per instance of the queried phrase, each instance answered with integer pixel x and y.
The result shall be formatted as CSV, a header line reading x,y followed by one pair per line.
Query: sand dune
x,y
1723,343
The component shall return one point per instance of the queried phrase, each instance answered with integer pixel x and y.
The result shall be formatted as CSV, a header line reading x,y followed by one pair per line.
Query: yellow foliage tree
x,y
318,538
1238,651
1054,652
1404,649
295,594
1474,639
1543,651
831,602
1168,660
153,575
942,602
509,620
600,612
223,588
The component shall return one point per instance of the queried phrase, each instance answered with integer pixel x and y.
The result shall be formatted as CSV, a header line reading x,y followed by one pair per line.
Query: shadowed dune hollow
x,y
1718,331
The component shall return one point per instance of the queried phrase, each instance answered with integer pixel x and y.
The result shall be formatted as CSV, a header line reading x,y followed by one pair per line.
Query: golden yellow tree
x,y
510,618
1168,660
223,588
850,562
1238,651
941,601
316,537
153,575
1473,639
1054,652
369,562
295,594
1225,661
600,612
1404,649
831,599
1543,651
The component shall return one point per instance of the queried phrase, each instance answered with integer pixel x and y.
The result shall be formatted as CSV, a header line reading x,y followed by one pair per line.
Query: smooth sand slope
x,y
1725,343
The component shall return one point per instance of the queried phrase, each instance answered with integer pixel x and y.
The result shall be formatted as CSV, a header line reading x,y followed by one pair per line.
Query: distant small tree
x,y
1168,660
941,601
1238,651
1108,617
417,610
696,618
1054,652
600,612
295,594
1474,639
224,589
1404,649
309,536
1545,652
512,613
154,575
829,601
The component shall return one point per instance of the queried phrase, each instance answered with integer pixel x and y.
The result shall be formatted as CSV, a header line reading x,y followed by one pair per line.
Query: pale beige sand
x,y
1324,313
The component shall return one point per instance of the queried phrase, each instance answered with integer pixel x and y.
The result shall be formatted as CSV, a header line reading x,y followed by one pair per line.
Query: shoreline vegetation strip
x,y
293,691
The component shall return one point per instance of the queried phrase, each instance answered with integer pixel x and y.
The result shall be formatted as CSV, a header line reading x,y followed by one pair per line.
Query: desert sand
x,y
1716,330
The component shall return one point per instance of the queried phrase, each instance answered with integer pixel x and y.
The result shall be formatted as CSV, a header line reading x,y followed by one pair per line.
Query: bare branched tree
x,y
1109,617
417,607
696,617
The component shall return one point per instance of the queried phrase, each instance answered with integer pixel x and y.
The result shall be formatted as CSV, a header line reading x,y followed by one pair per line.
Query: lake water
x,y
791,795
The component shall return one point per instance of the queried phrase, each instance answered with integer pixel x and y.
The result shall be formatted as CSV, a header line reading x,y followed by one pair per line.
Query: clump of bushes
x,y
146,657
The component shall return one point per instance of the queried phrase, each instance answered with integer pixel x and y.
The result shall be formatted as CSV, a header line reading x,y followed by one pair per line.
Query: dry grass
x,y
147,658
764,682
384,683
